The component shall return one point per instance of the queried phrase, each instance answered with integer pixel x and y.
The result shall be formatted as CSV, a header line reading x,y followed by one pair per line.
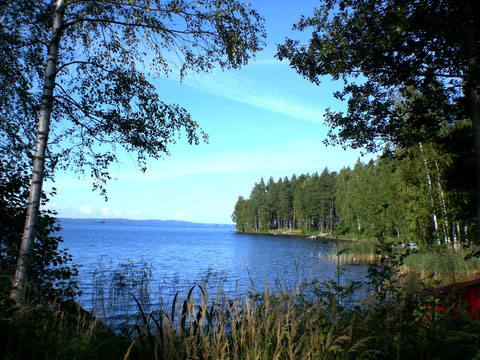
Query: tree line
x,y
419,194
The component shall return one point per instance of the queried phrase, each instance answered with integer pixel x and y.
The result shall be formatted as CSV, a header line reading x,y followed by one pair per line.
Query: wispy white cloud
x,y
56,206
253,91
133,213
85,209
178,215
108,211
296,156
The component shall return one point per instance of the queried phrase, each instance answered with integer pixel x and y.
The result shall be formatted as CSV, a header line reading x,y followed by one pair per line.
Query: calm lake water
x,y
180,255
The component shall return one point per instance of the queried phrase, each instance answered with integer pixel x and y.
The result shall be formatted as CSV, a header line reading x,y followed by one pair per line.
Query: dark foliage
x,y
388,52
52,273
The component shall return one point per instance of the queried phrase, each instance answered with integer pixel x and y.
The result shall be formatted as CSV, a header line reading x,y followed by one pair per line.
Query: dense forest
x,y
422,194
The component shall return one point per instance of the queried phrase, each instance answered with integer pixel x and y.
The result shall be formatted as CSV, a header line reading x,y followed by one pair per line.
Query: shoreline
x,y
313,236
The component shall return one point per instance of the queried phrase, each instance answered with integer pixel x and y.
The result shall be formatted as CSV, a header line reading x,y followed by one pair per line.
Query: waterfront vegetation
x,y
382,319
417,195
313,320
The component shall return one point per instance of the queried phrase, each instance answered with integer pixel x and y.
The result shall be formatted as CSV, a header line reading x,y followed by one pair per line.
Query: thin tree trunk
x,y
471,89
459,233
293,221
454,237
332,213
430,187
443,203
25,252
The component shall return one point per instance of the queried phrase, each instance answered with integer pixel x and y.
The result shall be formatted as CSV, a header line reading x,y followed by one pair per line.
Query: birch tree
x,y
96,92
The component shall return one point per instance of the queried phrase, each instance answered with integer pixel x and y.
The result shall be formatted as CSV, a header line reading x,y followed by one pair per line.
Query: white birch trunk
x,y
454,237
444,205
332,213
293,221
29,233
430,187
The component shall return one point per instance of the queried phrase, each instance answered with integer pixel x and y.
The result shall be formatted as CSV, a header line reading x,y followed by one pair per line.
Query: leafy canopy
x,y
388,52
110,53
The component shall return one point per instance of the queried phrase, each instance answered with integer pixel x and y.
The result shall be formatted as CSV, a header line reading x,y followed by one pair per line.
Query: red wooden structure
x,y
465,293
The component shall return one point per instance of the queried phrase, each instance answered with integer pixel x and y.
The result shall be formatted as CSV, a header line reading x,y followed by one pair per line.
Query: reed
x,y
288,326
360,252
267,326
439,266
307,321
444,265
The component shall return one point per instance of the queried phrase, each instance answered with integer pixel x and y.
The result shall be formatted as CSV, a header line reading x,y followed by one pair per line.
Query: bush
x,y
52,273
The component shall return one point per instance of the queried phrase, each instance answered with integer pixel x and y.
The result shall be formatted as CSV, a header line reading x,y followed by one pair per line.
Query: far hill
x,y
164,223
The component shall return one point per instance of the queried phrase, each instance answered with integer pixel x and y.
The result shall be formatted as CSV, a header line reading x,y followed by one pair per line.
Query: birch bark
x,y
430,187
29,233
443,203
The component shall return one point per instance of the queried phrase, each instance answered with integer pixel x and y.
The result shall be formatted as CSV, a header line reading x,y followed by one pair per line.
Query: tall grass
x,y
267,326
112,288
360,252
438,265
308,321
444,265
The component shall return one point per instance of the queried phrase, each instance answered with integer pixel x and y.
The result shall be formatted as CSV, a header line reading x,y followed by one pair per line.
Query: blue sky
x,y
263,120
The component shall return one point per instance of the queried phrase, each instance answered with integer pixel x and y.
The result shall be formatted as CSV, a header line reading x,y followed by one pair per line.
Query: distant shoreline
x,y
137,221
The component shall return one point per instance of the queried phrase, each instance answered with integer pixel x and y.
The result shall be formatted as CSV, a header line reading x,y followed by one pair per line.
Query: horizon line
x,y
120,218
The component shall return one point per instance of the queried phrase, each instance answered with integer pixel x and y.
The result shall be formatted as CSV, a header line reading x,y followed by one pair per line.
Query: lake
x,y
176,255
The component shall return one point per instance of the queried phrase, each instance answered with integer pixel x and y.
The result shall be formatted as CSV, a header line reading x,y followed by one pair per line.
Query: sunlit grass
x,y
307,321
267,326
438,266
444,265
357,252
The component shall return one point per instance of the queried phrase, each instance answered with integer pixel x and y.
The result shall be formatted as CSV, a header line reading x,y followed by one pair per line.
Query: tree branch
x,y
141,25
176,11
